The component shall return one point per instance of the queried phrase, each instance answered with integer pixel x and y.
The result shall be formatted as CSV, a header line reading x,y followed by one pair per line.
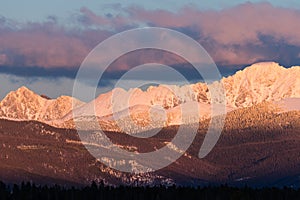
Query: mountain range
x,y
257,83
259,144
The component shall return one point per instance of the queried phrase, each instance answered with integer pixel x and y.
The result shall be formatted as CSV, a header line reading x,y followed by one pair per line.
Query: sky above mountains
x,y
42,44
35,10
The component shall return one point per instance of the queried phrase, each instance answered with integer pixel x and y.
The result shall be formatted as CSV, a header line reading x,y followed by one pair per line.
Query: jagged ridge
x,y
260,82
24,104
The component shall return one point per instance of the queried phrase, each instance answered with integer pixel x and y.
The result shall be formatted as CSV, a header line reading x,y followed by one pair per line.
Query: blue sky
x,y
37,10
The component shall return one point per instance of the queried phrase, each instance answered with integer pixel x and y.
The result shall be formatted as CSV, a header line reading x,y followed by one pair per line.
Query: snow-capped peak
x,y
262,82
24,104
259,82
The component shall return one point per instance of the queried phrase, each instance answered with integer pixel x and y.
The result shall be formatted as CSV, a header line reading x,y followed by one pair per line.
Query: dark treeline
x,y
30,191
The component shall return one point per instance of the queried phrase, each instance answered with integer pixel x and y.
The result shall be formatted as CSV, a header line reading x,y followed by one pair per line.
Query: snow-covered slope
x,y
257,83
260,82
288,104
119,99
24,104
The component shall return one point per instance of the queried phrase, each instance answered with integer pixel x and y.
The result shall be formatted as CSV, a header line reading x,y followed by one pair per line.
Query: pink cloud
x,y
237,25
40,49
231,36
47,45
3,59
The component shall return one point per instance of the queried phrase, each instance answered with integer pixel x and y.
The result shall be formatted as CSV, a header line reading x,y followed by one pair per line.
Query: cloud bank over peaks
x,y
235,36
